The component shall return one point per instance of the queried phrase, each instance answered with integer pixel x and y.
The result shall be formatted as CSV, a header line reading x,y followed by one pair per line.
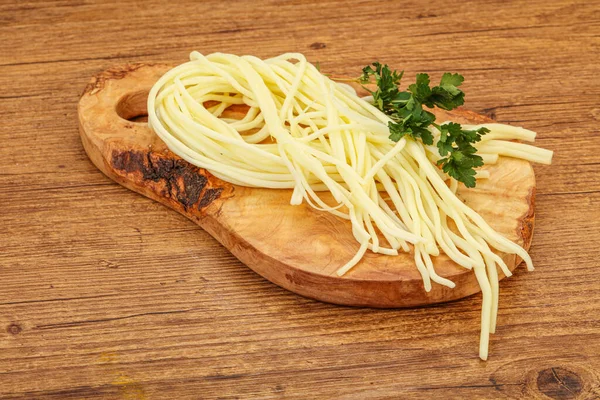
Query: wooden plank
x,y
105,294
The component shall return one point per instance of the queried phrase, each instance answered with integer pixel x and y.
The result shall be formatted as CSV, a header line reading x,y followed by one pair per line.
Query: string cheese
x,y
306,132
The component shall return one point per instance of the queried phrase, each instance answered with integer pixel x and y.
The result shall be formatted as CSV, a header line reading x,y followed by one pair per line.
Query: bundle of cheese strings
x,y
307,132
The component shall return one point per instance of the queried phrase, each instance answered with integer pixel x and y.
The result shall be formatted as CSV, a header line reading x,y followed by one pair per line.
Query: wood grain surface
x,y
107,294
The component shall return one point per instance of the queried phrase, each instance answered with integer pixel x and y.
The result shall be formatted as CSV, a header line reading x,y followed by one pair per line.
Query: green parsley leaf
x,y
462,160
448,134
460,168
451,79
421,90
387,82
397,131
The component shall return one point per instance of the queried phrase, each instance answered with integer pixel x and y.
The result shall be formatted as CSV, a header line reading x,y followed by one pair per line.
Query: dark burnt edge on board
x,y
527,221
170,177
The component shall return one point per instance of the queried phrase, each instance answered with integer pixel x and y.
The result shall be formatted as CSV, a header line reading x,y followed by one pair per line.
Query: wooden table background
x,y
106,294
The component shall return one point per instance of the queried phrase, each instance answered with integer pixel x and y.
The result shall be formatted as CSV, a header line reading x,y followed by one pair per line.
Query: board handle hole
x,y
132,107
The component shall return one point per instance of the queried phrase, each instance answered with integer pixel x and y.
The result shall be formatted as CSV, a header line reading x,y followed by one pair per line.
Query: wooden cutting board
x,y
295,247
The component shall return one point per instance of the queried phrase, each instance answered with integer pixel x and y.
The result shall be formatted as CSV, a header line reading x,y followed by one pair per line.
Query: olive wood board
x,y
295,247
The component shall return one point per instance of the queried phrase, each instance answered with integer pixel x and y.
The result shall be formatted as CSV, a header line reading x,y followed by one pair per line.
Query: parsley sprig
x,y
410,118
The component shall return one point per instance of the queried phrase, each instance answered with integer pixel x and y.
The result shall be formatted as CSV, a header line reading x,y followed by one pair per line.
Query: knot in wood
x,y
14,329
559,383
